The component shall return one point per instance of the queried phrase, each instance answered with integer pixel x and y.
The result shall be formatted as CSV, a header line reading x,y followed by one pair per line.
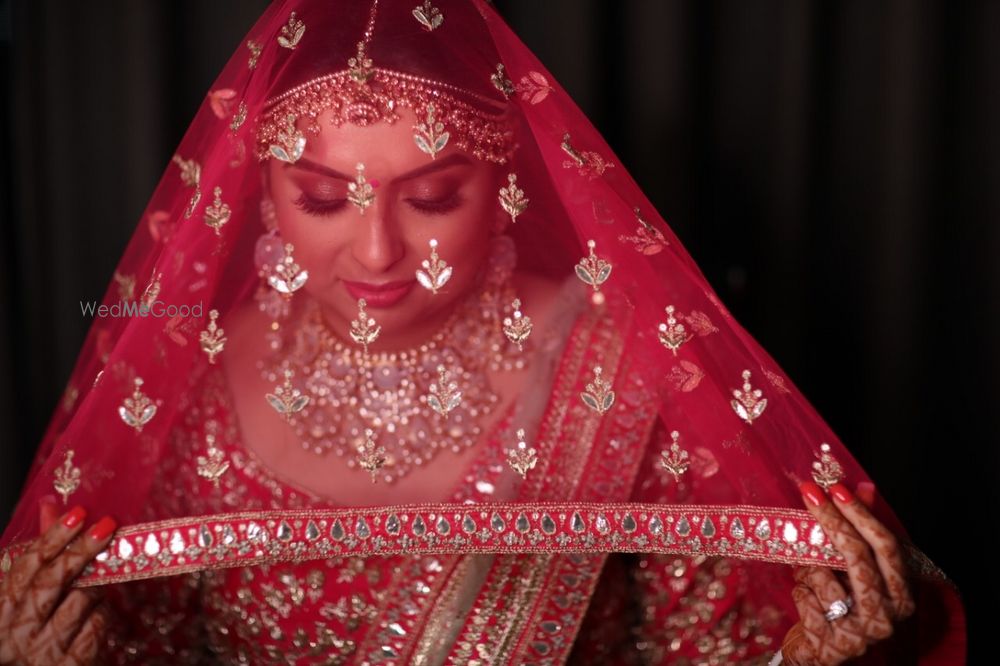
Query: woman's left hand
x,y
877,584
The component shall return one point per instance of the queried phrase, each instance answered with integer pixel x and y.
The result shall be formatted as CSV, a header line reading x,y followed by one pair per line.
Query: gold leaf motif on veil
x,y
592,270
255,48
190,171
523,457
444,394
286,399
212,339
501,82
676,460
137,410
213,465
748,402
512,198
291,33
67,477
218,213
534,87
429,17
598,396
239,117
430,136
587,162
827,471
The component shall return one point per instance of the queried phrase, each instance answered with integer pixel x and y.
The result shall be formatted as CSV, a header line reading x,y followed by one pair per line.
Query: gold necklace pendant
x,y
420,401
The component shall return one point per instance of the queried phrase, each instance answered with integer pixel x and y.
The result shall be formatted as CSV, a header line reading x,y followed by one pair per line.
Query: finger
x,y
31,561
815,628
48,512
847,636
866,493
66,622
871,602
884,544
84,648
54,578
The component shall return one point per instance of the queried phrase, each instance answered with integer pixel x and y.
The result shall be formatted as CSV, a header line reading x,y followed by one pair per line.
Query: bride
x,y
455,394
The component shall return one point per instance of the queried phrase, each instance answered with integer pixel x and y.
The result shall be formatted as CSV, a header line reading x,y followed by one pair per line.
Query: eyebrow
x,y
455,159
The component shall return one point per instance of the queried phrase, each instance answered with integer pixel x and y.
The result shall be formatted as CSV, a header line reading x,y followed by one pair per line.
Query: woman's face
x,y
375,254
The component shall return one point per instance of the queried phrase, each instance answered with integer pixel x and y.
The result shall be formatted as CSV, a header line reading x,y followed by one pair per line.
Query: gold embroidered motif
x,y
444,394
598,396
748,402
291,143
360,192
218,213
429,17
672,334
190,171
192,204
827,470
212,339
291,33
152,290
523,457
239,117
126,286
137,410
364,330
430,136
360,66
676,460
5,562
501,82
686,376
777,381
287,400
286,278
512,198
588,163
594,271
67,477
518,327
435,271
371,458
214,465
534,87
647,240
255,49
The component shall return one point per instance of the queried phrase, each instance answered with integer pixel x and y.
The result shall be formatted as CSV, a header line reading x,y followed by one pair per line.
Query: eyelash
x,y
321,208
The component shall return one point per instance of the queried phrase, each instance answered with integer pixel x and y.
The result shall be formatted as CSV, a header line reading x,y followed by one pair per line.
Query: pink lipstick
x,y
380,295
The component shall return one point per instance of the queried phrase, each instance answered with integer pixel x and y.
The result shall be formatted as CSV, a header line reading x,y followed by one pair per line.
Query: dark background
x,y
833,167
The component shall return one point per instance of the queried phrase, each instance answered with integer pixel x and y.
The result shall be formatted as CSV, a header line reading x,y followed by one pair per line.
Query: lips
x,y
380,295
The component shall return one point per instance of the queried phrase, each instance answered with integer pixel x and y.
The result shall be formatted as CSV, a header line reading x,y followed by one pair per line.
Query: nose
x,y
377,245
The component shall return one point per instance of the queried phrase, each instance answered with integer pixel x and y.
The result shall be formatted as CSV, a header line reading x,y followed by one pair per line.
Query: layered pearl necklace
x,y
418,402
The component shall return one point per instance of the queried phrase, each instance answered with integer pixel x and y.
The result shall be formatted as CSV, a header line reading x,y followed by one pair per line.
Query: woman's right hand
x,y
43,620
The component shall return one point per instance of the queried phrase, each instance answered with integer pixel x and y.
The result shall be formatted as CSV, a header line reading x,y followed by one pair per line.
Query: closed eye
x,y
319,207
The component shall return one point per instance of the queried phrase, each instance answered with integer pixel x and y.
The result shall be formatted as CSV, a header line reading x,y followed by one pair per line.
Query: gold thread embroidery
x,y
137,410
190,171
512,198
218,213
523,457
255,49
436,272
748,402
364,330
444,394
598,396
371,458
239,117
827,471
291,32
676,460
672,334
286,399
429,17
430,136
501,82
212,339
213,465
360,192
67,477
517,327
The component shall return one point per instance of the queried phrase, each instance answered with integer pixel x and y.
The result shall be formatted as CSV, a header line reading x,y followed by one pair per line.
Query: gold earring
x,y
360,192
435,272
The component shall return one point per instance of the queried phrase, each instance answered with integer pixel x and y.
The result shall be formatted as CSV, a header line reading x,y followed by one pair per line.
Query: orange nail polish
x,y
813,493
103,528
842,494
74,517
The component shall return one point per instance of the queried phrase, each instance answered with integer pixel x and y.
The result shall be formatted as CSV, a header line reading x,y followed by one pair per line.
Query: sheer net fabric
x,y
551,417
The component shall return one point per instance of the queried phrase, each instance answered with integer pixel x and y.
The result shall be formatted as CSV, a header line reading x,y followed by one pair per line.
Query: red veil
x,y
689,440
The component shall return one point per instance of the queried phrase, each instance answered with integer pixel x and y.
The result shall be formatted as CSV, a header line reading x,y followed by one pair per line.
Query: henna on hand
x,y
877,584
42,620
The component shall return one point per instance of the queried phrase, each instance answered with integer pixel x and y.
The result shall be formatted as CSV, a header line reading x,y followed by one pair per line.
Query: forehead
x,y
385,148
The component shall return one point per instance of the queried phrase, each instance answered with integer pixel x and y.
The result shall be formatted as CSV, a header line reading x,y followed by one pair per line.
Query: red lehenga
x,y
660,517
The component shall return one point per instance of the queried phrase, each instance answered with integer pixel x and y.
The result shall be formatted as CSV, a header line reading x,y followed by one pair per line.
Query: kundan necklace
x,y
417,402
